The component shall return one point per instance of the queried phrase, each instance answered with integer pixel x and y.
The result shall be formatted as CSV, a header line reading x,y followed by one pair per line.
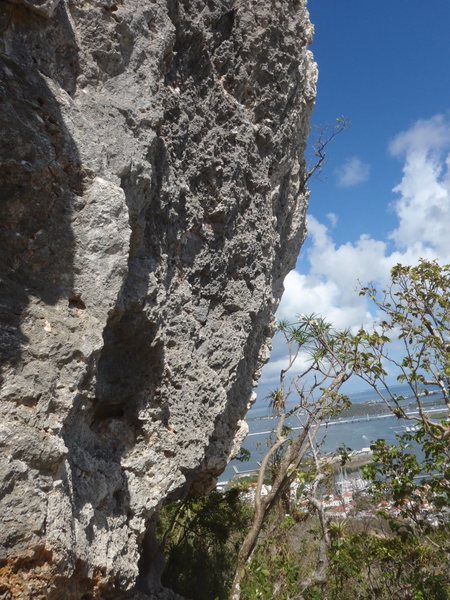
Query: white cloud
x,y
423,212
329,289
271,371
423,207
353,172
332,218
424,136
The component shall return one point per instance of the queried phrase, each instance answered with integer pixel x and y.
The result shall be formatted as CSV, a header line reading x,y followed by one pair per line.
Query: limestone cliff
x,y
152,201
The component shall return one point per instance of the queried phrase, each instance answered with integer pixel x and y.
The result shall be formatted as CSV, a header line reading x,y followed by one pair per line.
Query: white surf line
x,y
355,420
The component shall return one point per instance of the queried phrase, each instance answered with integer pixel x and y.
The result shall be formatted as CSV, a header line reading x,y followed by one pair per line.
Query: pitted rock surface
x,y
152,200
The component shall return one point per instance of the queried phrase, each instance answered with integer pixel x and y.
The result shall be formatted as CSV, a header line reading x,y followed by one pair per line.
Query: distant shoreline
x,y
372,407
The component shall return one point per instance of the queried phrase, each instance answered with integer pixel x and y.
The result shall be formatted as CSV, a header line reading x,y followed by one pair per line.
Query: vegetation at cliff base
x,y
200,537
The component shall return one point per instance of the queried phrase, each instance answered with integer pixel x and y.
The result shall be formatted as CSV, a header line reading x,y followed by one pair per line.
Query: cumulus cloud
x,y
422,208
271,371
330,287
353,172
425,136
332,218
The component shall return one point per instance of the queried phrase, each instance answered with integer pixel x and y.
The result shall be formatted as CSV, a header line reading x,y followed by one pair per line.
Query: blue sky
x,y
383,65
384,194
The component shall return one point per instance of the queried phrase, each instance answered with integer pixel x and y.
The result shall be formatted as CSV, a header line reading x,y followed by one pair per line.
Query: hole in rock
x,y
129,369
75,301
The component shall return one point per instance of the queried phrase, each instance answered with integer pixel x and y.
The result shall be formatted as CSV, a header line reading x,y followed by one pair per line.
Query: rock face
x,y
152,201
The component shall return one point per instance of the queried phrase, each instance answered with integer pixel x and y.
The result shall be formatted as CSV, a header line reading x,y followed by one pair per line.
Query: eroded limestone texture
x,y
152,201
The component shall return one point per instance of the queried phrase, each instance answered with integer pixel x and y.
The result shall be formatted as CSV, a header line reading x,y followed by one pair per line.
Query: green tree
x,y
411,561
327,356
200,538
370,566
415,309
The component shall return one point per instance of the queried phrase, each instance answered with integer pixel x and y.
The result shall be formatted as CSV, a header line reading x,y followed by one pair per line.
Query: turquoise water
x,y
356,431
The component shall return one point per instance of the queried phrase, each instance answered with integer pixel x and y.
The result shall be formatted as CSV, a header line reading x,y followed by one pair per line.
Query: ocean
x,y
366,421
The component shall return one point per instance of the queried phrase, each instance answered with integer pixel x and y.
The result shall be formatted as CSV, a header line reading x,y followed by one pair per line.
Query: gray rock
x,y
152,201
45,8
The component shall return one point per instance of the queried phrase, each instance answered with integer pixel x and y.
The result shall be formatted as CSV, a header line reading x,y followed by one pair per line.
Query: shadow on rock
x,y
39,168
